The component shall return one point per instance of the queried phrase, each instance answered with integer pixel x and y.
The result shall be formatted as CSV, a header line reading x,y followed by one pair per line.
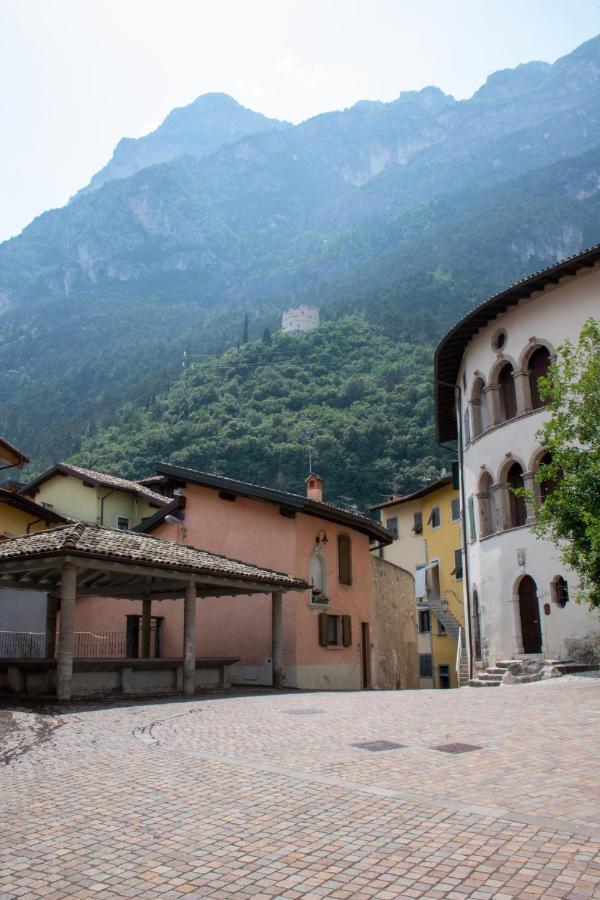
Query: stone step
x,y
491,676
479,683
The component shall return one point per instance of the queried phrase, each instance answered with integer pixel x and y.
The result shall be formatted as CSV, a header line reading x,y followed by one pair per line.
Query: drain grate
x,y
303,712
377,746
456,748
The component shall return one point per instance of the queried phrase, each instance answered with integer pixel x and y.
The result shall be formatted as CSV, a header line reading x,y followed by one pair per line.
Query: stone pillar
x,y
51,612
189,640
68,595
522,391
530,505
277,639
146,625
502,498
494,405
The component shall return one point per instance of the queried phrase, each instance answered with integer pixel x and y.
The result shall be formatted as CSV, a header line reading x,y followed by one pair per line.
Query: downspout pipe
x,y
463,500
102,499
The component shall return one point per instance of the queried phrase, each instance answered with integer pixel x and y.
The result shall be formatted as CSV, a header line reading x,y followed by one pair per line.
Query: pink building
x,y
327,630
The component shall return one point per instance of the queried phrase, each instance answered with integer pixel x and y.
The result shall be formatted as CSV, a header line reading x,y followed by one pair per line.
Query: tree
x,y
267,339
245,332
570,513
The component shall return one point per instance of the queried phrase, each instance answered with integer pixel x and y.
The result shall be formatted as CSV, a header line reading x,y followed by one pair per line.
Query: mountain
x,y
404,213
199,129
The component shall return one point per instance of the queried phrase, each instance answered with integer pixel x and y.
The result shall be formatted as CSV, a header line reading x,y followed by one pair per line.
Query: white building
x,y
300,320
519,596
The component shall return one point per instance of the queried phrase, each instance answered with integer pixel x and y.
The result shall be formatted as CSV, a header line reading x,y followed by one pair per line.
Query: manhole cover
x,y
376,746
303,712
456,748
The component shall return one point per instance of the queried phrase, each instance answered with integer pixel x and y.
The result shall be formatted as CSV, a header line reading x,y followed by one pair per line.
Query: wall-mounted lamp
x,y
322,537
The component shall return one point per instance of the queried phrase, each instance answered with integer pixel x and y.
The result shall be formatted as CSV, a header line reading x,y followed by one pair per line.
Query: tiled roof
x,y
15,499
98,542
422,492
449,354
12,449
319,509
102,479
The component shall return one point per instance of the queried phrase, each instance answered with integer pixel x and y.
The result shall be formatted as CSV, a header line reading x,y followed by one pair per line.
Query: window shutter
x,y
347,631
344,559
323,629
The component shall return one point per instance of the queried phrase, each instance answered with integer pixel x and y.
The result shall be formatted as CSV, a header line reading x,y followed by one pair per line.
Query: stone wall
x,y
395,660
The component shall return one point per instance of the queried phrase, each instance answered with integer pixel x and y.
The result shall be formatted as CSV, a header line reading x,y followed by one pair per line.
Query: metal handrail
x,y
459,652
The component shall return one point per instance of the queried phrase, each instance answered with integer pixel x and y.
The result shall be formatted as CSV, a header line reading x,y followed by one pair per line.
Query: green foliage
x,y
570,514
365,400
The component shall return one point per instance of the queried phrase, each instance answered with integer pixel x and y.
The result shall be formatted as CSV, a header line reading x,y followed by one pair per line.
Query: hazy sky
x,y
76,75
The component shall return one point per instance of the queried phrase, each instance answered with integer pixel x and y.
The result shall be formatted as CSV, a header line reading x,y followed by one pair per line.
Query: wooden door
x,y
530,616
365,654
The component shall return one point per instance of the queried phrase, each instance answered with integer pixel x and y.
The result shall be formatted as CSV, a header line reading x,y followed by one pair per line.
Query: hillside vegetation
x,y
364,401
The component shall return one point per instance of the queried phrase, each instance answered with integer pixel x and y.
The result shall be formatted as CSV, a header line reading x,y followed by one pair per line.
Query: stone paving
x,y
264,795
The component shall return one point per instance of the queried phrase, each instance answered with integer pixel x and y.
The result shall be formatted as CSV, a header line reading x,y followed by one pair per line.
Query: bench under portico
x,y
82,559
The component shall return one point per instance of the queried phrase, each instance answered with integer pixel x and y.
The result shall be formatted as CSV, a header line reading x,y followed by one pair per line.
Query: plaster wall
x,y
71,497
546,318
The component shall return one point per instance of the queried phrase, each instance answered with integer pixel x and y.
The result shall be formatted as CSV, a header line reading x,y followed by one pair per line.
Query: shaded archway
x,y
517,508
537,367
529,613
508,396
488,522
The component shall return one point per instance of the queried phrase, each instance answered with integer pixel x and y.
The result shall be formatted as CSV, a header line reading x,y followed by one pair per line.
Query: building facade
x,y
328,630
427,542
300,320
518,592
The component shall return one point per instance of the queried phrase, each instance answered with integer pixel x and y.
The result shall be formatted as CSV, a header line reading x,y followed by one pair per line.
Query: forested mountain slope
x,y
407,213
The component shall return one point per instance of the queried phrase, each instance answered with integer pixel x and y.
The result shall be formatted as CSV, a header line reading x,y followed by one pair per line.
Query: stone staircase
x,y
453,628
492,677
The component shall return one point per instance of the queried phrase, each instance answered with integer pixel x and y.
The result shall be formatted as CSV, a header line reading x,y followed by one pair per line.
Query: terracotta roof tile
x,y
83,539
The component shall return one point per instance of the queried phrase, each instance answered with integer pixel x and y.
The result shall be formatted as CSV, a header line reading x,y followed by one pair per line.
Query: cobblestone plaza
x,y
299,795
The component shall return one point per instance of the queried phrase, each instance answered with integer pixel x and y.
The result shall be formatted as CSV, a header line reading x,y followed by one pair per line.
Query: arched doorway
x,y
530,616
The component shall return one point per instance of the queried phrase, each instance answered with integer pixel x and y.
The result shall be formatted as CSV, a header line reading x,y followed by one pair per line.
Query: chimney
x,y
314,487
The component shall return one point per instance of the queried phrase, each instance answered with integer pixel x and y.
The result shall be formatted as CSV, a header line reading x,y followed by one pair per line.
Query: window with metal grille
x,y
392,525
425,665
424,621
344,559
122,523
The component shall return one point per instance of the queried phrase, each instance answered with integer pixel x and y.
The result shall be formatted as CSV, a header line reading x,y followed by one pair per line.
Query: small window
x,y
392,525
457,571
344,559
122,523
560,591
335,631
434,517
472,526
424,621
499,339
455,507
425,665
418,523
441,629
444,676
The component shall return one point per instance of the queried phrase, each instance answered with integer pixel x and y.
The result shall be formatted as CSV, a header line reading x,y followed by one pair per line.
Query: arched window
x,y
508,397
516,505
476,626
560,591
488,523
548,484
479,408
538,365
318,579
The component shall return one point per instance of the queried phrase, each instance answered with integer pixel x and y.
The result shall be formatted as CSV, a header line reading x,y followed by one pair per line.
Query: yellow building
x,y
428,543
94,496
